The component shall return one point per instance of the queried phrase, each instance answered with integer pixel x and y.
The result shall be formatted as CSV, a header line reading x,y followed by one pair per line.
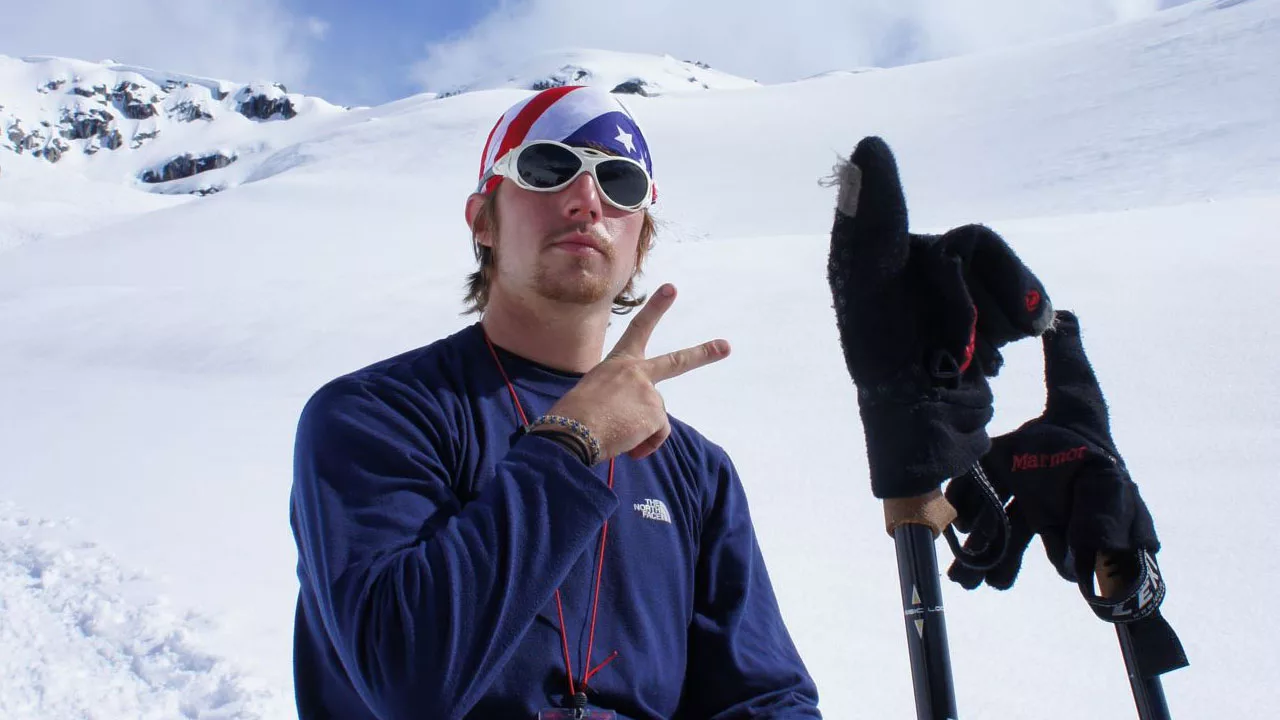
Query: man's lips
x,y
579,242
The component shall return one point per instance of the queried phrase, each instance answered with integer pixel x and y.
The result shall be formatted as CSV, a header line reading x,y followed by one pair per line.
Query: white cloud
x,y
767,41
317,28
239,40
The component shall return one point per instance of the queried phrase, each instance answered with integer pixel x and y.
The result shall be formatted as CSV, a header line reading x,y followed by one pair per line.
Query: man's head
x,y
538,238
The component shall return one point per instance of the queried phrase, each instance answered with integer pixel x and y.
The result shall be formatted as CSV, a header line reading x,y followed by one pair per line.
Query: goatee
x,y
576,279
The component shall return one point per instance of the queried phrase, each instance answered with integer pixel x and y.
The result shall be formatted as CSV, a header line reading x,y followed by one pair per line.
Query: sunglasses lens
x,y
546,166
625,183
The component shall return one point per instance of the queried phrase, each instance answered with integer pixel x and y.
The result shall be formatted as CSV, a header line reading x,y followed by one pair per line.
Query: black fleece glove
x,y
1066,480
921,320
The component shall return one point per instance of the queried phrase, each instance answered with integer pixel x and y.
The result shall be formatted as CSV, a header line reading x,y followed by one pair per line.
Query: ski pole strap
x,y
1157,649
1139,600
993,551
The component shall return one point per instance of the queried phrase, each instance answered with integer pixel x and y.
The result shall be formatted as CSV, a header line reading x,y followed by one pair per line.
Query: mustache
x,y
595,232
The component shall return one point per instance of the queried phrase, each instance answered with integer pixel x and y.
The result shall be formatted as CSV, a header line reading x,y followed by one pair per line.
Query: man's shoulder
x,y
696,446
449,353
421,373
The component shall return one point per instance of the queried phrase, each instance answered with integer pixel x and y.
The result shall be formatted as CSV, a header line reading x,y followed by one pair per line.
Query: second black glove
x,y
1062,477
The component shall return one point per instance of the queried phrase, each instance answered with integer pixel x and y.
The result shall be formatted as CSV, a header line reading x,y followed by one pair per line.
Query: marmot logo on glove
x,y
652,509
1040,461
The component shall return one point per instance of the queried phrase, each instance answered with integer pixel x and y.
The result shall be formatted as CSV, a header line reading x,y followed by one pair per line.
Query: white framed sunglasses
x,y
549,166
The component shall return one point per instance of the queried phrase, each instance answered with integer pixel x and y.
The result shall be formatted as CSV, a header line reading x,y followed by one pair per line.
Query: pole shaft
x,y
925,622
1148,693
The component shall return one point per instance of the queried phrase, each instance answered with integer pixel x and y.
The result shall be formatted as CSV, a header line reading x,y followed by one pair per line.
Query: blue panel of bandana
x,y
616,132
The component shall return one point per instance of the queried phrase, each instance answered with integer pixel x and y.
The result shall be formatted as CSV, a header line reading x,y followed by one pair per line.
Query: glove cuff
x,y
914,446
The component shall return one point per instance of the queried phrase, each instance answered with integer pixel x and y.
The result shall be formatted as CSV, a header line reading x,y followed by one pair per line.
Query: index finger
x,y
673,364
1074,395
635,338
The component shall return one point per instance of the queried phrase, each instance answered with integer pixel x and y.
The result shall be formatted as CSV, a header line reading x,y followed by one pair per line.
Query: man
x,y
501,524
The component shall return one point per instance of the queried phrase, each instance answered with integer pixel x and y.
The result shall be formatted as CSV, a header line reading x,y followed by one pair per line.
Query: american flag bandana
x,y
575,115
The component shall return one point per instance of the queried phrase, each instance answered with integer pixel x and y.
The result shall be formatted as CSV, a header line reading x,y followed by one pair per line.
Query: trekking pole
x,y
1148,692
914,524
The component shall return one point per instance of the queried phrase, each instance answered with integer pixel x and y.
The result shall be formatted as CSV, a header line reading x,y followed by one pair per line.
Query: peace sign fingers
x,y
635,339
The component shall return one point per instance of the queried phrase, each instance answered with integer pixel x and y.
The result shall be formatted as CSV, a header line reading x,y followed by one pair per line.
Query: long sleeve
x,y
424,600
742,661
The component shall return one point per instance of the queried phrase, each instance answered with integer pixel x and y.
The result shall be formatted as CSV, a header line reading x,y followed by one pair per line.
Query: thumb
x,y
1074,396
866,267
869,236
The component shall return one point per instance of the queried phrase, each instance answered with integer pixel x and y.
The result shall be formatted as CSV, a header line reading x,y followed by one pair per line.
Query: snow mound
x,y
619,72
69,612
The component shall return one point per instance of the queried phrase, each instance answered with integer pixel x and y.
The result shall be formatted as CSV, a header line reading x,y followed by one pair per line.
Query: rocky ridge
x,y
56,109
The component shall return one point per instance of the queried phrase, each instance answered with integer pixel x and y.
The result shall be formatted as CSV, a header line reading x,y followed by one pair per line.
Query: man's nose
x,y
582,199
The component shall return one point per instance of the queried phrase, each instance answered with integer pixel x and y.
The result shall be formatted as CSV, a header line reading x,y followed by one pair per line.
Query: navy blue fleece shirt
x,y
431,540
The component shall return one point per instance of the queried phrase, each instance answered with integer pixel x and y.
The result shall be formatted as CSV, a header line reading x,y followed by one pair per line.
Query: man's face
x,y
568,246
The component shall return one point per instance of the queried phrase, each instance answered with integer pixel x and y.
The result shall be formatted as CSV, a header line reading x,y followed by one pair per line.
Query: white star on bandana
x,y
624,137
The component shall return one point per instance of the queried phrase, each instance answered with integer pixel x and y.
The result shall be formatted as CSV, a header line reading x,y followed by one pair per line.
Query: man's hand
x,y
618,399
921,319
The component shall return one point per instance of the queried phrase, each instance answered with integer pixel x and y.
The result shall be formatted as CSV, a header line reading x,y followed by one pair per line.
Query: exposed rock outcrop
x,y
134,101
258,102
184,166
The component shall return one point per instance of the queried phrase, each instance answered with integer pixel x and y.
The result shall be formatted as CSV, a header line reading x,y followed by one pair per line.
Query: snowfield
x,y
155,352
85,637
625,73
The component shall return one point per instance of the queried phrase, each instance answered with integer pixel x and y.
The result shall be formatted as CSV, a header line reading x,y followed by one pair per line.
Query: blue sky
x,y
346,51
367,53
368,48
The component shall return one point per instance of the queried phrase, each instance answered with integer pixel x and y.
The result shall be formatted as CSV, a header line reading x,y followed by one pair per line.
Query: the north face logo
x,y
653,509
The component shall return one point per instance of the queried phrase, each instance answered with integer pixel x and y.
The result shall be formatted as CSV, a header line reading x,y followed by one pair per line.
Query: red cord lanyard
x,y
587,670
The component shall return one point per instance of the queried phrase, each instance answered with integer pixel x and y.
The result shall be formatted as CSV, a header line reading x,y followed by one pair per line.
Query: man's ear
x,y
475,221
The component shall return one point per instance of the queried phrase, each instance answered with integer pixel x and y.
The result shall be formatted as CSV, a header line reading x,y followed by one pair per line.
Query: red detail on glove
x,y
973,341
1033,300
1042,461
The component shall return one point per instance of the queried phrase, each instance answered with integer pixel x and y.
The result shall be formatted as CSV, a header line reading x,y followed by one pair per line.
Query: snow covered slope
x,y
105,124
152,370
79,139
626,73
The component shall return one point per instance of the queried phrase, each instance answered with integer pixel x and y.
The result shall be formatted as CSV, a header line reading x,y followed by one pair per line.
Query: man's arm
x,y
742,661
425,600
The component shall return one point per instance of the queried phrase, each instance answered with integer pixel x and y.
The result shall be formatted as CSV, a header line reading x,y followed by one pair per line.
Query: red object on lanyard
x,y
587,670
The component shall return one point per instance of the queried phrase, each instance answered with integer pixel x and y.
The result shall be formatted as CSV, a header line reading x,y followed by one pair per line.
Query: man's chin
x,y
575,293
581,290
579,286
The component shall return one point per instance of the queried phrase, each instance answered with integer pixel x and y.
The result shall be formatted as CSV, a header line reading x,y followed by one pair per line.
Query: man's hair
x,y
479,282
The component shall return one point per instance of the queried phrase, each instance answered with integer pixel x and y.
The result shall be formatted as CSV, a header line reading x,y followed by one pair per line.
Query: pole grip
x,y
931,510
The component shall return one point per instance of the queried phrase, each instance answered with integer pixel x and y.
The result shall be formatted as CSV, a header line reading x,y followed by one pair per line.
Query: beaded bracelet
x,y
578,430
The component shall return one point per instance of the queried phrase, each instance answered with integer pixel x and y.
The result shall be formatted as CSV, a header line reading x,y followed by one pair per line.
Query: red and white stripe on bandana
x,y
575,115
